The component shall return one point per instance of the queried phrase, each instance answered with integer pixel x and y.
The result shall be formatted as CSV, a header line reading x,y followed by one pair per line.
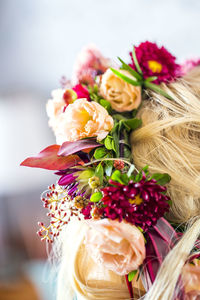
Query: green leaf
x,y
157,89
100,153
115,144
130,70
119,117
169,202
116,175
124,178
119,177
151,78
108,167
86,175
126,78
131,275
138,177
106,104
99,172
136,61
96,197
161,179
108,142
132,124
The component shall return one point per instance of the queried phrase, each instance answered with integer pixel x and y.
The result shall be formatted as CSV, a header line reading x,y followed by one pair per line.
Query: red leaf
x,y
49,159
69,148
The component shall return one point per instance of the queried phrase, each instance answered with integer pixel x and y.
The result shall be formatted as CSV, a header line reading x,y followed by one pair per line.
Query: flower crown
x,y
92,117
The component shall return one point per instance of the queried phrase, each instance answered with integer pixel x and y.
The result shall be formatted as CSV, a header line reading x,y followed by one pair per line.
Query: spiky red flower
x,y
139,203
155,61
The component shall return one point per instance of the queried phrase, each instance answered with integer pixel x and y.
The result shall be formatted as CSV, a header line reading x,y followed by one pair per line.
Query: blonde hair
x,y
169,142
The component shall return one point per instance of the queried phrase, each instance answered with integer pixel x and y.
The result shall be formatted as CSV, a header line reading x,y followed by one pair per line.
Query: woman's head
x,y
169,142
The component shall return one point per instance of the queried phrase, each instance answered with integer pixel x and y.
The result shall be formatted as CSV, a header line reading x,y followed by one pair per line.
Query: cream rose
x,y
82,119
121,95
120,247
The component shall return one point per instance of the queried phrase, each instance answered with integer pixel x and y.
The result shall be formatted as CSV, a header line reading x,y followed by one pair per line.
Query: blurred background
x,y
39,41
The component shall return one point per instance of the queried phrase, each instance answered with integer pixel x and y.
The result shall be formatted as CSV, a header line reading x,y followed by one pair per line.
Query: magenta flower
x,y
155,61
81,91
139,203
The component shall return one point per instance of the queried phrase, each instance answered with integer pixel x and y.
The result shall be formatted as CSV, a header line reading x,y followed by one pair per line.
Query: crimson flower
x,y
155,61
139,203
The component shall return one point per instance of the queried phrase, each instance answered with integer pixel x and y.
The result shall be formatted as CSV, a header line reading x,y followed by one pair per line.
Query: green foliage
x,y
120,177
126,78
132,124
96,197
130,70
108,142
94,93
131,275
136,62
105,104
99,172
100,153
161,179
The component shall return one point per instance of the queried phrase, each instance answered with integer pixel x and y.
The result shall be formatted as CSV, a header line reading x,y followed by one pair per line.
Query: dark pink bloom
x,y
141,203
189,64
155,61
86,211
81,91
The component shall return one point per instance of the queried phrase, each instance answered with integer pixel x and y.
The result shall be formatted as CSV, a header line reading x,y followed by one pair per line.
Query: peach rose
x,y
82,119
120,247
121,95
191,279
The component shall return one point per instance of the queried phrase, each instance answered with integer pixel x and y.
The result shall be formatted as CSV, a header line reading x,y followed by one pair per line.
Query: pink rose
x,y
90,63
120,247
191,279
121,95
82,119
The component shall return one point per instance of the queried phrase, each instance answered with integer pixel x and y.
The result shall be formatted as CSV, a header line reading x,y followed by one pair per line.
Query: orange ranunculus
x,y
119,246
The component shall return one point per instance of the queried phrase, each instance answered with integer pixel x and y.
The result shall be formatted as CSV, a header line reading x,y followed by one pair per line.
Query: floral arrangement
x,y
92,117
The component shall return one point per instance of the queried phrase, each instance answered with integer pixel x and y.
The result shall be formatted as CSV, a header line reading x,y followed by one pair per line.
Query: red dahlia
x,y
139,203
155,61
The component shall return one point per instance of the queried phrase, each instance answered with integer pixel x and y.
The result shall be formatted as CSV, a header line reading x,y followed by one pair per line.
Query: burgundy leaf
x,y
160,240
49,159
69,148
